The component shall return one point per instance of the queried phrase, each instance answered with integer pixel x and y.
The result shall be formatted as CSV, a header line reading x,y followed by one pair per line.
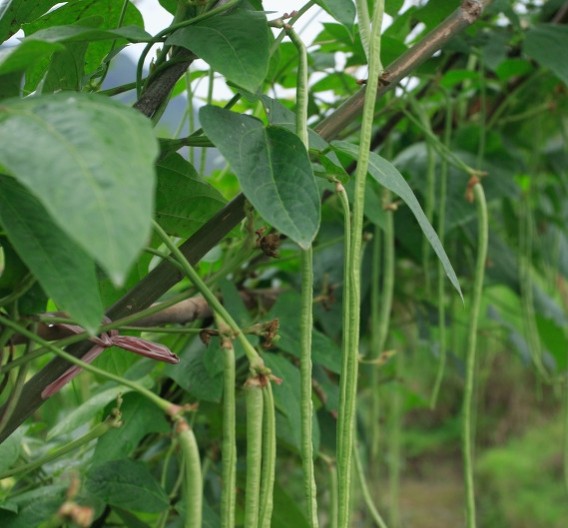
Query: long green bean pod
x,y
352,283
192,479
469,400
254,403
307,295
268,458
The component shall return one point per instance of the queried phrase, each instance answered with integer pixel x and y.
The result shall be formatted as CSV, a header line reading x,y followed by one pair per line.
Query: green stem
x,y
256,362
254,402
193,482
112,421
268,459
307,295
352,282
469,399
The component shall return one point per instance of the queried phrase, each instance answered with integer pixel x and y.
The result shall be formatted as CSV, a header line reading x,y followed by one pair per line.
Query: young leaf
x,y
388,176
273,169
184,201
547,44
234,44
127,484
89,161
64,270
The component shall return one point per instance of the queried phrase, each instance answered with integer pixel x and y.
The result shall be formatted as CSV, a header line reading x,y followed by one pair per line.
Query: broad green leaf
x,y
139,417
27,54
388,176
65,70
392,7
547,44
200,372
89,161
62,268
273,168
127,484
79,13
86,411
184,201
14,13
287,511
342,10
235,44
80,33
279,115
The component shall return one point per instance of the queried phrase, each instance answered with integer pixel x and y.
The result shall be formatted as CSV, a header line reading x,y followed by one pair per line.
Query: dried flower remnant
x,y
105,340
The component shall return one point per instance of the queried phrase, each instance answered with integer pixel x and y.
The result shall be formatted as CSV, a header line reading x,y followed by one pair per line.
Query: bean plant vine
x,y
226,258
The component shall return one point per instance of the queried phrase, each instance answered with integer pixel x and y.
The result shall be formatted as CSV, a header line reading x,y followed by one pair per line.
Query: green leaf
x,y
388,176
14,13
80,33
89,161
127,484
140,417
279,115
184,201
286,510
10,450
200,372
393,7
547,44
26,55
273,168
63,269
100,14
342,10
234,44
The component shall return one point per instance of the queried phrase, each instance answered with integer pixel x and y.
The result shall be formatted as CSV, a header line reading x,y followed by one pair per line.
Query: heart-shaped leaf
x,y
273,168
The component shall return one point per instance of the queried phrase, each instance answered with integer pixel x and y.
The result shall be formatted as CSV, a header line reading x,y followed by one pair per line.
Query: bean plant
x,y
213,316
